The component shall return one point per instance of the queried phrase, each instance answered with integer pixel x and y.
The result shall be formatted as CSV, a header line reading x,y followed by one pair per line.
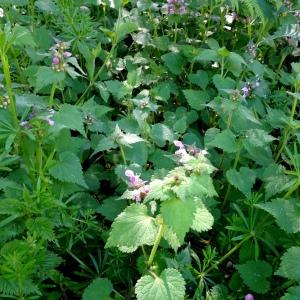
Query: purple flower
x,y
50,122
246,91
182,10
133,179
55,60
67,54
249,297
179,144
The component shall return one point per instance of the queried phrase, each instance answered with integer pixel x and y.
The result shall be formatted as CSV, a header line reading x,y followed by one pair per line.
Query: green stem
x,y
286,133
53,88
12,102
230,252
123,155
175,35
156,243
237,157
293,189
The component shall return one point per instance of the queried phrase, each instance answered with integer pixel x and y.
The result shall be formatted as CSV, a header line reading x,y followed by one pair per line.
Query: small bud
x,y
55,60
249,297
50,122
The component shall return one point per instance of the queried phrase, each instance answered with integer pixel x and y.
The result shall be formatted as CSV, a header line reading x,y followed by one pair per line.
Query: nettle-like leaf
x,y
174,62
133,228
255,275
224,140
170,285
161,133
242,180
45,76
203,219
179,215
290,264
68,169
196,99
292,293
100,288
70,117
286,213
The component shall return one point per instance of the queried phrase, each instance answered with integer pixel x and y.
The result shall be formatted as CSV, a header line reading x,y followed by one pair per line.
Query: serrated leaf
x,y
179,215
242,180
169,285
171,238
286,212
196,99
224,140
290,264
68,169
200,78
161,133
174,62
69,116
125,28
258,138
255,274
45,76
111,208
99,289
203,219
133,228
292,294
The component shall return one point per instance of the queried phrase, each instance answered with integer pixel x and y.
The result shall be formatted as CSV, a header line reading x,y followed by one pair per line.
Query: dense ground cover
x,y
149,150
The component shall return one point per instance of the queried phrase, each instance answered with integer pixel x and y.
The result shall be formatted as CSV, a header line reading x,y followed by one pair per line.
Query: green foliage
x,y
168,285
100,288
255,275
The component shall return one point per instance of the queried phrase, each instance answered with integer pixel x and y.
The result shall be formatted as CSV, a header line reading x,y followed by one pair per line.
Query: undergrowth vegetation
x,y
149,150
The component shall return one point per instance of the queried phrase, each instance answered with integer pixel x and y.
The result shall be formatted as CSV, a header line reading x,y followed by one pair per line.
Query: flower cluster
x,y
248,87
176,7
2,13
140,188
60,54
47,117
4,102
185,154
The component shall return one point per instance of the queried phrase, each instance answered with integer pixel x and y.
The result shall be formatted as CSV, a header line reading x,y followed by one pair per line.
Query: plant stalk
x,y
156,243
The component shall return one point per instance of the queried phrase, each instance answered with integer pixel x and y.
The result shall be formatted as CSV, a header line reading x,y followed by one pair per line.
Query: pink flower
x,y
133,179
179,144
67,54
249,297
55,60
50,122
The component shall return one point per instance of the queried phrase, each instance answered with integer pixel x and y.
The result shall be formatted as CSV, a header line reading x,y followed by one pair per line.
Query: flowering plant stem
x,y
12,103
156,243
51,98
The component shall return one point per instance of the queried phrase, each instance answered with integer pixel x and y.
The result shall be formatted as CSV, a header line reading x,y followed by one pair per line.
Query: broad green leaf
x,y
234,63
224,140
105,143
47,6
292,293
208,55
169,285
200,78
223,83
110,208
258,138
174,62
70,117
179,215
290,264
45,76
118,89
171,238
196,99
255,275
68,169
125,28
23,37
133,228
203,219
99,289
161,133
243,179
286,212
